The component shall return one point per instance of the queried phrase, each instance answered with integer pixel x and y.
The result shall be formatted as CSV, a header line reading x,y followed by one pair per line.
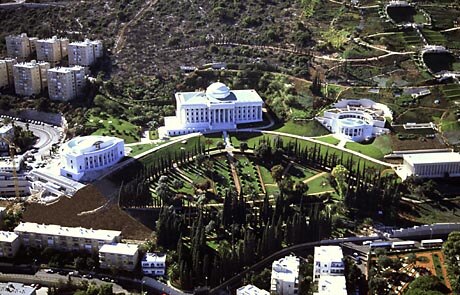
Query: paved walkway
x,y
314,177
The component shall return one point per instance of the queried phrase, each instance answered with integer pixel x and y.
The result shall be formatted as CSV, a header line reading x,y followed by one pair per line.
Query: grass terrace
x,y
112,126
376,149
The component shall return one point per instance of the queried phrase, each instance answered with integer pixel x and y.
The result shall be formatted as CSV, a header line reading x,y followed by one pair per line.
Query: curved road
x,y
283,252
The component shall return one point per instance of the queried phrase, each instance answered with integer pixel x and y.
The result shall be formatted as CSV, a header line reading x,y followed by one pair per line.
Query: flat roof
x,y
404,243
433,241
7,236
66,69
16,288
120,248
251,290
87,144
432,158
154,257
5,128
286,268
332,285
77,232
328,253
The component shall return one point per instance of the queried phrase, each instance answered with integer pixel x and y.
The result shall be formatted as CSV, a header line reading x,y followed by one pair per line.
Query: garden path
x,y
314,177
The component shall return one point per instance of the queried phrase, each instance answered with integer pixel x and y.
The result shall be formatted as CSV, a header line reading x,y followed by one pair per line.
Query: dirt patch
x,y
66,213
420,143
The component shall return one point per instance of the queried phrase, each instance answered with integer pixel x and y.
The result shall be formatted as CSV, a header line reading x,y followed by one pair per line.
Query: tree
x,y
340,175
427,283
220,145
243,146
277,172
263,151
177,184
79,263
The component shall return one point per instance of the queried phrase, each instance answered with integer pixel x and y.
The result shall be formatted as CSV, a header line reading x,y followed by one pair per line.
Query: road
x,y
52,279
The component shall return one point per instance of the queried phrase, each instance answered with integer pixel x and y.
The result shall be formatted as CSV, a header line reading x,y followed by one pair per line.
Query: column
x,y
227,116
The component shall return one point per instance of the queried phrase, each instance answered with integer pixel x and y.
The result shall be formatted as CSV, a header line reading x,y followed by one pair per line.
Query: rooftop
x,y
77,232
120,248
332,285
154,257
286,269
251,290
432,158
66,69
5,128
87,144
328,253
16,288
7,237
32,64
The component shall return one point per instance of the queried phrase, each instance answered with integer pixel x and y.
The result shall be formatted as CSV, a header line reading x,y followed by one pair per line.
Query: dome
x,y
217,90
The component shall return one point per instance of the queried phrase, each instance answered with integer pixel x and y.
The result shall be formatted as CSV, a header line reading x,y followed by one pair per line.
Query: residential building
x,y
6,72
6,135
9,244
285,276
52,50
154,264
328,261
119,256
20,46
11,288
430,165
30,78
85,53
85,154
332,285
66,83
251,290
356,119
217,108
7,181
65,238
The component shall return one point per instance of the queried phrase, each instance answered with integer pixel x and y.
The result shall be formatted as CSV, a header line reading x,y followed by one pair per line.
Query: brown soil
x,y
65,212
416,144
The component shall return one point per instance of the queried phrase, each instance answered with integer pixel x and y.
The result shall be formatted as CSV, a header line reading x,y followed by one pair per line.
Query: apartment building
x,y
332,285
84,53
52,50
9,244
285,276
6,132
328,260
12,288
65,238
154,264
66,83
6,72
119,256
30,78
251,290
20,46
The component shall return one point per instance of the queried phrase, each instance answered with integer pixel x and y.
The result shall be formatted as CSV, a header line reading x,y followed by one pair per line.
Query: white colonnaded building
x,y
217,108
90,153
356,119
430,165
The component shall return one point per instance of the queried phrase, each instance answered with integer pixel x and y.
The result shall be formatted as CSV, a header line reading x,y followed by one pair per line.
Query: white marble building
x,y
285,276
90,153
217,108
328,261
356,119
430,165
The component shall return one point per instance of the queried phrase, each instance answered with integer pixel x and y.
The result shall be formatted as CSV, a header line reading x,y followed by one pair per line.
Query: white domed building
x,y
217,108
93,153
356,119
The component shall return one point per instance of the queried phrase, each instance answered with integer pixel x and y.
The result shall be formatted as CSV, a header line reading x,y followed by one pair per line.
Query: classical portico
x,y
218,108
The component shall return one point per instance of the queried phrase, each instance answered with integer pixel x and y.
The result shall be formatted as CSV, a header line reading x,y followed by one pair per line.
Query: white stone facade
x,y
84,53
285,276
65,238
328,261
30,78
51,50
332,285
6,132
90,153
154,264
356,120
219,108
431,165
66,83
119,256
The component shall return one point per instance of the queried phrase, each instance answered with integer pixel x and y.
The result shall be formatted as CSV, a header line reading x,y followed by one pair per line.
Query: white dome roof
x,y
217,90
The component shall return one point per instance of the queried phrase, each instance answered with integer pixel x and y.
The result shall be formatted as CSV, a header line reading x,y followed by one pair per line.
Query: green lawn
x,y
329,139
140,148
377,149
247,173
300,173
302,128
111,126
319,185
